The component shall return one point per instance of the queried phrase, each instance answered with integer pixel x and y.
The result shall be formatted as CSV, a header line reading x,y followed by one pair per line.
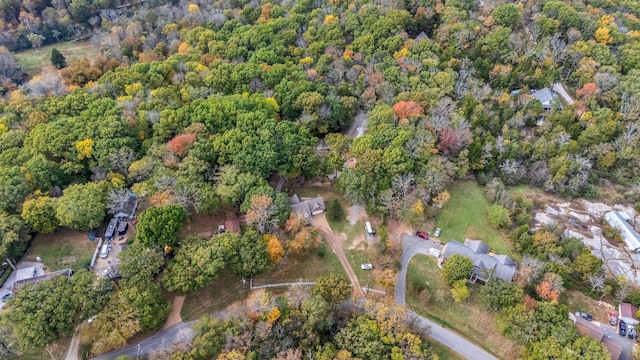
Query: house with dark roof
x,y
307,208
620,220
628,313
128,209
486,265
590,329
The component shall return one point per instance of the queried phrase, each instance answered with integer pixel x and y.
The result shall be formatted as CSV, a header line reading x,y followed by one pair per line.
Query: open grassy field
x,y
32,61
464,217
468,319
62,249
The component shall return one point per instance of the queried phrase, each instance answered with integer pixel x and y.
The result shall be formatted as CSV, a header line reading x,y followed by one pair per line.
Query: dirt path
x,y
335,241
174,315
72,353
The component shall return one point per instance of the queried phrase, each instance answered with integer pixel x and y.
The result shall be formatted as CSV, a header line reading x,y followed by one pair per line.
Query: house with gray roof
x,y
307,208
486,265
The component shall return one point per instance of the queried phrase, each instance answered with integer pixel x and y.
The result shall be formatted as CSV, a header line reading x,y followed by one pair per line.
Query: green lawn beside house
x,y
464,216
468,319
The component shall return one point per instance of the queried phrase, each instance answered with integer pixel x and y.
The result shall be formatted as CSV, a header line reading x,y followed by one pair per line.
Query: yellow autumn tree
x,y
417,208
194,8
85,148
441,199
273,315
603,36
274,248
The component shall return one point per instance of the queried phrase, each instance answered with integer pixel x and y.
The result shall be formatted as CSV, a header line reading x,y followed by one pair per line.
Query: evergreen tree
x,y
57,59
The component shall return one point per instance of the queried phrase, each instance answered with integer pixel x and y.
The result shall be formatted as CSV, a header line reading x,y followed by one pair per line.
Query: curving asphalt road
x,y
175,334
411,246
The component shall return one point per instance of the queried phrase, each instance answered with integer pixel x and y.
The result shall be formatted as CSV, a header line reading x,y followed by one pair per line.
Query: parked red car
x,y
422,234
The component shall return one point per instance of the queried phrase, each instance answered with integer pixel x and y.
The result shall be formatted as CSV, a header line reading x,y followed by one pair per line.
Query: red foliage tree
x,y
405,109
452,140
588,90
181,144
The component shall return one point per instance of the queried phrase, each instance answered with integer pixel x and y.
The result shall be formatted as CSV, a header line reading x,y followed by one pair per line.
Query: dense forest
x,y
197,106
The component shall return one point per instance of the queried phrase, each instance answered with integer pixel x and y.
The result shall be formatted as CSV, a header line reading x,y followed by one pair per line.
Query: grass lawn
x,y
227,290
443,352
464,217
32,61
62,249
468,319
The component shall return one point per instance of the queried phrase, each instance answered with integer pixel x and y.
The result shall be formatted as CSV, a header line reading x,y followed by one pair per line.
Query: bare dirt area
x,y
174,315
395,230
356,213
200,223
335,242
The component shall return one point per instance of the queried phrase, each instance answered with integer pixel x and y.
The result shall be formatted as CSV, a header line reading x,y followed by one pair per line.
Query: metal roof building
x,y
620,221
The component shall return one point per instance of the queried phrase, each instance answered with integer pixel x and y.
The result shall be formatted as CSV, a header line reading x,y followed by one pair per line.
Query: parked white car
x,y
366,266
437,232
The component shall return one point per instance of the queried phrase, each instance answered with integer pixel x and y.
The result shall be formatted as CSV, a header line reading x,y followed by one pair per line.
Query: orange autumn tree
x,y
405,109
274,248
588,90
181,144
301,237
550,288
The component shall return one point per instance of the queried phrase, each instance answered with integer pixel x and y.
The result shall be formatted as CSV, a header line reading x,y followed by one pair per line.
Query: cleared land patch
x,y
464,217
34,60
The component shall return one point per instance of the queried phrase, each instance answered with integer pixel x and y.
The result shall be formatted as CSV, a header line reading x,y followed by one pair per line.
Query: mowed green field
x,y
33,61
464,216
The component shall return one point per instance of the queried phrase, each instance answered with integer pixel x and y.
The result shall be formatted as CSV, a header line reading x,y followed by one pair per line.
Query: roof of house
x,y
422,36
501,266
543,95
129,208
629,234
627,310
588,328
36,279
306,207
477,246
25,273
615,350
232,225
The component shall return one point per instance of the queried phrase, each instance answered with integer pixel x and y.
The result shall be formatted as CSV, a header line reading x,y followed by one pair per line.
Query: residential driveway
x,y
625,343
412,245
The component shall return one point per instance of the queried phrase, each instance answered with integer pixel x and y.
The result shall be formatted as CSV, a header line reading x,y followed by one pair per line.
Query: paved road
x,y
175,334
411,246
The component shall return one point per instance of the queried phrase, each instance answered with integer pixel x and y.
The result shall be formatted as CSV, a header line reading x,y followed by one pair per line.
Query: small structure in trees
x,y
29,276
628,313
308,207
485,263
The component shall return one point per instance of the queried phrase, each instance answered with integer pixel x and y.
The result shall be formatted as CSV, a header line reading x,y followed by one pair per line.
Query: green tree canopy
x,y
333,288
82,207
497,294
57,59
45,311
159,225
456,267
40,214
